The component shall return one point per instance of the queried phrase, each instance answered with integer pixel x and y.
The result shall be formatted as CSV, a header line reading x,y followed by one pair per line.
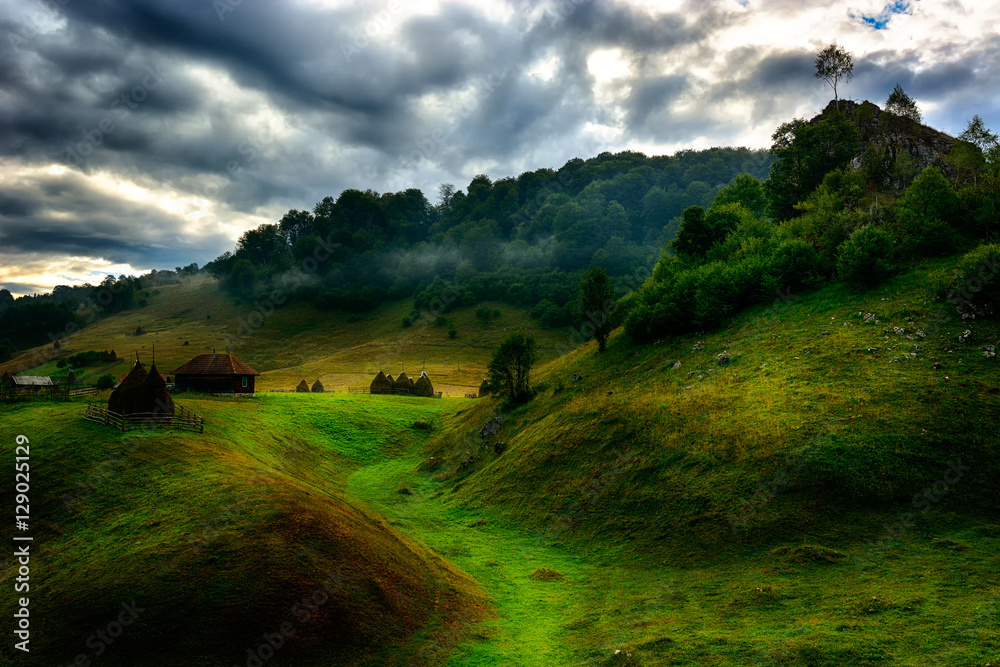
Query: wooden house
x,y
215,374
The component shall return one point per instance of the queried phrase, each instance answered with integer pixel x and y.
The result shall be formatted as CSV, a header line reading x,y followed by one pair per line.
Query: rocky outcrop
x,y
925,145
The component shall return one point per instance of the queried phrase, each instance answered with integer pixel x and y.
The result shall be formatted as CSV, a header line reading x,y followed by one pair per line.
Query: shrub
x,y
926,211
440,321
452,334
794,263
977,279
106,381
865,258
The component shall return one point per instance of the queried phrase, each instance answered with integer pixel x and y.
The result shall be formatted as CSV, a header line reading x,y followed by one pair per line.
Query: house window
x,y
244,383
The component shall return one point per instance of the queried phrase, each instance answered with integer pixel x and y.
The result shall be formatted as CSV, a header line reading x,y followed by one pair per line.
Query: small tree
x,y
508,371
106,381
978,134
597,304
902,105
833,64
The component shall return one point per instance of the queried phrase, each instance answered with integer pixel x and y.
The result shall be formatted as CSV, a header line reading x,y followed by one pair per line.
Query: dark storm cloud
x,y
274,105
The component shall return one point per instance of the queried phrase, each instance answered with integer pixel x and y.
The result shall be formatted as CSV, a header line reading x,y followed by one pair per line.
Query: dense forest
x,y
856,194
524,241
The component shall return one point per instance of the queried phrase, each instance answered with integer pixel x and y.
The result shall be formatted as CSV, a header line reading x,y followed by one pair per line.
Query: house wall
x,y
215,384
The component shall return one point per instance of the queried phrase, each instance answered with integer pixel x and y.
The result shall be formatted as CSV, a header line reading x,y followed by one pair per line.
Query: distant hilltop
x,y
925,145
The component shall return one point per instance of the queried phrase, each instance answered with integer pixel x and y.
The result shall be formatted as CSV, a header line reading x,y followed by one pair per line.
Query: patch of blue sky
x,y
881,20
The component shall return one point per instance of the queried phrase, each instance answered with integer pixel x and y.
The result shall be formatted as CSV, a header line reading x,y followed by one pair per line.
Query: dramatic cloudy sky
x,y
140,134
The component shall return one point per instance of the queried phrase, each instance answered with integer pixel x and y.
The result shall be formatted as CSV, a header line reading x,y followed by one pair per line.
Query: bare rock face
x,y
925,145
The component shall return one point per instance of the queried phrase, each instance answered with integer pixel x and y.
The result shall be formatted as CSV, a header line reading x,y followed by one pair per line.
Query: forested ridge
x,y
524,240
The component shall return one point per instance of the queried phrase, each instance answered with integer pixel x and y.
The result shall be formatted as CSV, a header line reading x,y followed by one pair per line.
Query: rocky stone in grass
x,y
491,427
990,351
965,336
677,364
724,358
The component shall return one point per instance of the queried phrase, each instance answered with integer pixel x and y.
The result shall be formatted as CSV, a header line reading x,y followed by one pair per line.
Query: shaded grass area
x,y
222,537
849,471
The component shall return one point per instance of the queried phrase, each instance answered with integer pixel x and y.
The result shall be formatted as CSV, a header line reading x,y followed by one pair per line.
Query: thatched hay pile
x,y
317,387
381,384
71,378
124,399
484,388
153,396
423,386
390,379
302,387
404,382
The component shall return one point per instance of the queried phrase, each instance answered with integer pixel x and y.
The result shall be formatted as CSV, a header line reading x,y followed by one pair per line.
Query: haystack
x,y
404,383
317,387
423,386
124,398
389,378
303,387
71,378
381,384
153,396
484,388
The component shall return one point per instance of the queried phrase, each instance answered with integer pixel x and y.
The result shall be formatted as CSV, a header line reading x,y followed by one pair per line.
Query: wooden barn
x,y
215,374
28,385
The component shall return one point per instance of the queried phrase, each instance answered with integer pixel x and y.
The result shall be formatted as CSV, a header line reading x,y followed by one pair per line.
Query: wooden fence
x,y
396,392
182,419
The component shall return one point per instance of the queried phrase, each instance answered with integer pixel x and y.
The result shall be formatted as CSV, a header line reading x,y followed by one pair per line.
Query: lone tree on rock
x,y
833,64
511,364
902,105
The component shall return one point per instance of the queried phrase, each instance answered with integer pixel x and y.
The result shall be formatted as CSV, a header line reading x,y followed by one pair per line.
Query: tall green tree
x,y
833,64
597,304
806,154
508,374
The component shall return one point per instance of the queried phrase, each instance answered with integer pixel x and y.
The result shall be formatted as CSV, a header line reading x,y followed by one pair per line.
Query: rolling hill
x,y
297,341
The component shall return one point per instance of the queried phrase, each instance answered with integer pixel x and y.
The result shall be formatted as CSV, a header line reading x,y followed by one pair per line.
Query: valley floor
x,y
931,597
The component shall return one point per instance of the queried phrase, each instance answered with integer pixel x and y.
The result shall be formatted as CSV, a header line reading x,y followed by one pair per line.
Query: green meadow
x,y
826,496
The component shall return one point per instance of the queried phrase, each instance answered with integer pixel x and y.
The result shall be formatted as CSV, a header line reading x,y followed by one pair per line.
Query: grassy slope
x,y
218,535
297,342
638,469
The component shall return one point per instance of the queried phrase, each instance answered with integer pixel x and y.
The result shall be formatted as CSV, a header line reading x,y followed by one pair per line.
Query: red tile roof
x,y
215,364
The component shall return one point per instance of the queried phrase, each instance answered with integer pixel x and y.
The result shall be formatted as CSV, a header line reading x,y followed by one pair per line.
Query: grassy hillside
x,y
222,537
297,342
828,496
